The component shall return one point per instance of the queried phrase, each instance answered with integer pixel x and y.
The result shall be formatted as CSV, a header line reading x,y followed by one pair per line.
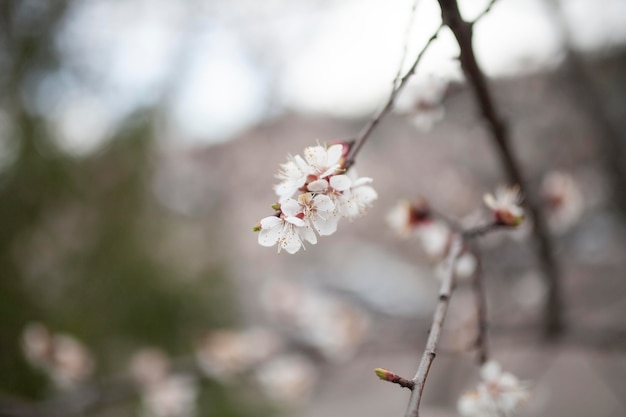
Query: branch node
x,y
389,376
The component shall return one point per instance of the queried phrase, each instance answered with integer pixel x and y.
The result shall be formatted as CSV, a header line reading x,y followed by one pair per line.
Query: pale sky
x,y
223,66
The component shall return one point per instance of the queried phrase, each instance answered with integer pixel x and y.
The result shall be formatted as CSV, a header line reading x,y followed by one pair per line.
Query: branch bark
x,y
435,330
374,121
463,32
481,309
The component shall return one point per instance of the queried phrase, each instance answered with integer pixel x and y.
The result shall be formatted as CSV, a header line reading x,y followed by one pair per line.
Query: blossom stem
x,y
380,114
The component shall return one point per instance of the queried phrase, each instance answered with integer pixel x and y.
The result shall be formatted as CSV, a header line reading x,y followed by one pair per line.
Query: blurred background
x,y
138,144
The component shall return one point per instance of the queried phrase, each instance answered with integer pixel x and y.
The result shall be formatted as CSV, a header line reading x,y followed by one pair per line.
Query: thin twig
x,y
405,46
481,308
484,12
435,329
445,292
371,125
545,252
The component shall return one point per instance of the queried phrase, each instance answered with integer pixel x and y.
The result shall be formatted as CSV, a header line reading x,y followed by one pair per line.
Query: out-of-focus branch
x,y
484,12
481,309
405,46
374,121
463,31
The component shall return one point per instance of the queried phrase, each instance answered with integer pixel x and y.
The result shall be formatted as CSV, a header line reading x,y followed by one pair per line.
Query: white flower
x,y
498,394
37,344
149,366
288,379
404,217
324,161
352,195
319,162
505,205
72,362
174,396
435,237
466,265
63,357
331,326
227,352
564,200
288,229
313,195
319,210
293,174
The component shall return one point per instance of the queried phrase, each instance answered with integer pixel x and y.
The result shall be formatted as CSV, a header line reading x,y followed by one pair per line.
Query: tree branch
x,y
435,329
462,31
371,125
445,292
481,309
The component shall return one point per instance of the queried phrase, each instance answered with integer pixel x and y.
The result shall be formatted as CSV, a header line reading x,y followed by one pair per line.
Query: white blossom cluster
x,y
288,379
65,360
333,327
314,193
163,393
285,377
225,353
300,318
435,236
499,394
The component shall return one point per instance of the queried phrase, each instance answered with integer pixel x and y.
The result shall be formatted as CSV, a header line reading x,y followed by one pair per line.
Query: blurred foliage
x,y
78,236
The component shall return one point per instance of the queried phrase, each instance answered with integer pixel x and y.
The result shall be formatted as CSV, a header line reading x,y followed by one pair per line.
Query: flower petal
x,y
323,203
296,221
318,186
291,241
340,182
271,231
308,234
326,225
334,154
365,195
290,207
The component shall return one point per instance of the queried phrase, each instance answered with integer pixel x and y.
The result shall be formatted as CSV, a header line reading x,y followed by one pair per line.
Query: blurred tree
x,y
77,235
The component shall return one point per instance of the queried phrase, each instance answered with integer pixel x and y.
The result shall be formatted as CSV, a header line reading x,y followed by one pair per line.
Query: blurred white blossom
x,y
405,216
335,328
505,205
224,353
435,237
174,396
149,366
163,393
498,394
65,360
288,379
563,199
